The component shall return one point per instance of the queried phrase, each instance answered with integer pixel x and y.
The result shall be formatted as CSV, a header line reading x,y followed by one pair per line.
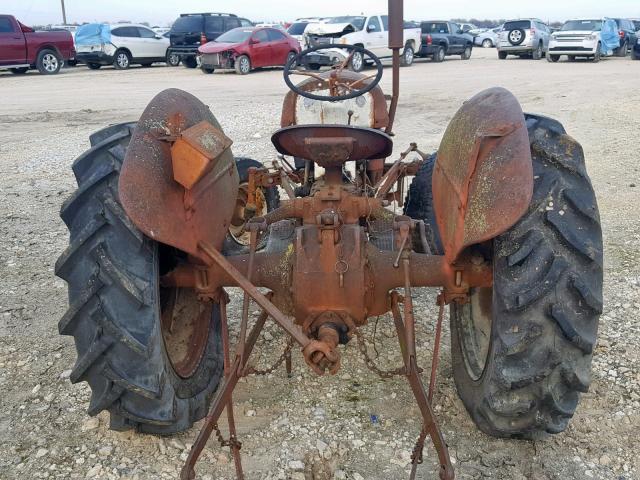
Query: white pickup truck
x,y
370,32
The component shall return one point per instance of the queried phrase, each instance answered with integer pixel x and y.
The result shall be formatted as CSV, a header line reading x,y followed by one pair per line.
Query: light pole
x,y
64,13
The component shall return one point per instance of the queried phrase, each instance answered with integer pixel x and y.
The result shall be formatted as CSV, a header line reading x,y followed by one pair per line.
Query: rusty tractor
x,y
502,219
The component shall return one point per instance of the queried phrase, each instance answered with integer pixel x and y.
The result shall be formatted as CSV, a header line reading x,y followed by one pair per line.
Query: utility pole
x,y
64,13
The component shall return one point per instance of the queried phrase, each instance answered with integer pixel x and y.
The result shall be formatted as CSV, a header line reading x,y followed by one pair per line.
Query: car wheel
x,y
94,66
173,60
635,55
538,52
407,56
598,54
190,62
622,51
572,58
357,61
207,70
487,43
502,55
466,55
439,55
122,60
553,58
314,66
20,70
243,65
291,56
48,62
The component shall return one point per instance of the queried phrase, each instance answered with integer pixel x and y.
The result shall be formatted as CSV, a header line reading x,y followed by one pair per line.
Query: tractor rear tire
x,y
268,199
137,369
419,205
522,350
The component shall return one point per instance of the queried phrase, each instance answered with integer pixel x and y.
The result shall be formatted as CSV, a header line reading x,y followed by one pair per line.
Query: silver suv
x,y
526,38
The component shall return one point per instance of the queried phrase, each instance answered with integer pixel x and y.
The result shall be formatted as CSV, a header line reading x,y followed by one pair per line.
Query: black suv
x,y
194,29
628,37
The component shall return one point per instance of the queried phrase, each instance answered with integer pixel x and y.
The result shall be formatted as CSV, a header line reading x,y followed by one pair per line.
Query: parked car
x,y
524,38
590,38
22,48
370,32
277,26
120,45
467,27
635,52
296,30
488,38
636,24
245,49
191,30
627,34
441,38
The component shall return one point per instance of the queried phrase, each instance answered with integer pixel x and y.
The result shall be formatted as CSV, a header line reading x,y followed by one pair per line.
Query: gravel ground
x,y
353,425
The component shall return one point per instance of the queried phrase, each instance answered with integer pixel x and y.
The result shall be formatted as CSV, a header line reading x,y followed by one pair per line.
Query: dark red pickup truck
x,y
22,48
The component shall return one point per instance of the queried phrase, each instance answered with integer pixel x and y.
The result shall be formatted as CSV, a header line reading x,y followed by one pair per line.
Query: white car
x,y
581,38
370,32
120,45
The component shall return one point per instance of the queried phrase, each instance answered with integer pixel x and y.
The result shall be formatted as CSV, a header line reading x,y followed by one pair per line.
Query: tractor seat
x,y
332,145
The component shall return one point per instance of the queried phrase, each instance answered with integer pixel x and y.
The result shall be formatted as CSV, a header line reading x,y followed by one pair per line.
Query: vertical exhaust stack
x,y
396,42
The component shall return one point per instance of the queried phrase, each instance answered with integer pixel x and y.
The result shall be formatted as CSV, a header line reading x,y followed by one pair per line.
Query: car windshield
x,y
357,22
584,25
188,24
237,35
297,28
518,25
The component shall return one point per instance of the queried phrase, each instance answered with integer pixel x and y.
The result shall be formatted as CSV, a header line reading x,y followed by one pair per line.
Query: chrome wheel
x,y
245,66
408,56
50,62
357,61
122,60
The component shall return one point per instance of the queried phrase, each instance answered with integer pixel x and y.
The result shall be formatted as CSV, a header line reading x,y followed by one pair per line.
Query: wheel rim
x,y
123,60
50,62
244,65
185,321
467,52
441,54
237,227
486,43
474,330
173,59
356,61
515,36
291,56
408,55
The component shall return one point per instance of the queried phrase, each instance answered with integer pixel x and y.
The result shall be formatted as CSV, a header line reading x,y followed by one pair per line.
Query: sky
x,y
162,13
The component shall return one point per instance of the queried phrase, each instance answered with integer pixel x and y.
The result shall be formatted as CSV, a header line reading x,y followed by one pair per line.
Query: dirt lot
x,y
353,425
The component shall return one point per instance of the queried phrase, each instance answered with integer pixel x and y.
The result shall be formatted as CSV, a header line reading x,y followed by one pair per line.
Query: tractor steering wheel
x,y
335,84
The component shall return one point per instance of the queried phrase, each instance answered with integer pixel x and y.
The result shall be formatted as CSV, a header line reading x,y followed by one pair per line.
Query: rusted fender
x,y
161,207
483,178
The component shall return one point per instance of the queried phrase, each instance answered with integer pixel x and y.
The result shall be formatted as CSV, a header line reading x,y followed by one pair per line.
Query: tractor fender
x,y
179,181
483,177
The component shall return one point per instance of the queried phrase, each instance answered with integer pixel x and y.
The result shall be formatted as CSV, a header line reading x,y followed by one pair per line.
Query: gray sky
x,y
160,12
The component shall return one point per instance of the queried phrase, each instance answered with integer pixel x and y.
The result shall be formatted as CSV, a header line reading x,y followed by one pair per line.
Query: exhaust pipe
x,y
396,42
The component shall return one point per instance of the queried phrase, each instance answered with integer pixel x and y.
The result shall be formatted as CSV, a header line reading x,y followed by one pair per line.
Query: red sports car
x,y
247,48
